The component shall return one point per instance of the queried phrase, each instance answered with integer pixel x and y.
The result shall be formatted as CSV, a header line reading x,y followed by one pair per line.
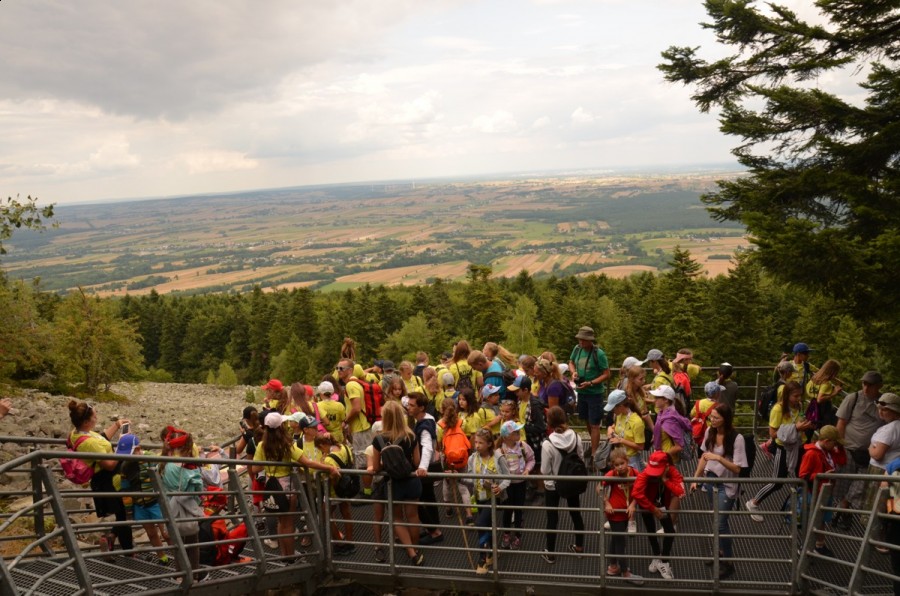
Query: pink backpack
x,y
77,471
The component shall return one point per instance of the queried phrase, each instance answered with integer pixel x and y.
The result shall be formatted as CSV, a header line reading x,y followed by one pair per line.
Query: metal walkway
x,y
60,557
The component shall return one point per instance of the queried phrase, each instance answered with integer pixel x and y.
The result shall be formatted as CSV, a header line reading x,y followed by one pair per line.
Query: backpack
x,y
211,530
681,383
497,379
275,500
394,461
465,379
347,486
750,451
77,471
571,465
698,423
767,398
373,399
567,401
456,447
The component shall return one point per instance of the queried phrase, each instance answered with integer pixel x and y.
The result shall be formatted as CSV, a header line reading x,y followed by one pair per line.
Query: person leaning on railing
x,y
84,419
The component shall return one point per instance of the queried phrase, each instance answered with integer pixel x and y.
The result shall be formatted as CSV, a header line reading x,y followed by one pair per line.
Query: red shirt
x,y
620,495
646,489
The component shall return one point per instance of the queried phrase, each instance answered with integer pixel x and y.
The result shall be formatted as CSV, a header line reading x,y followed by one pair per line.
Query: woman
x,y
562,439
300,401
824,386
628,428
552,390
723,456
405,492
495,351
635,377
460,368
277,446
183,478
87,440
885,444
786,424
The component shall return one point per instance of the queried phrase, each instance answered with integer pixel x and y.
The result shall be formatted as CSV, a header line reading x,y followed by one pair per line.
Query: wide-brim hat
x,y
586,333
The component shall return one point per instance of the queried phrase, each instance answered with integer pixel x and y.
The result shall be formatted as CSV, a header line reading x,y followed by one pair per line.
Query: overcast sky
x,y
122,98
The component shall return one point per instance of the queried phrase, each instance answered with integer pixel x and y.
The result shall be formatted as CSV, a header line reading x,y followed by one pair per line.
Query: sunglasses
x,y
341,368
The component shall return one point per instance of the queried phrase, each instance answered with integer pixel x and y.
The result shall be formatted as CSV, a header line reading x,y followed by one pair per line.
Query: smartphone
x,y
244,424
126,428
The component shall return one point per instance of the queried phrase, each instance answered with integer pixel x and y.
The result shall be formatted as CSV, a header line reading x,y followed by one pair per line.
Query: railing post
x,y
816,519
59,511
7,586
392,563
327,551
37,495
252,533
715,546
494,524
866,547
755,411
603,520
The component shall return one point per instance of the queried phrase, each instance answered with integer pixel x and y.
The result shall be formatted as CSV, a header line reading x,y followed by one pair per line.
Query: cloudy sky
x,y
117,99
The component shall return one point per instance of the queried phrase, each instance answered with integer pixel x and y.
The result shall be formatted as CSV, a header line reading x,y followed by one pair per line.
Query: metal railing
x,y
776,556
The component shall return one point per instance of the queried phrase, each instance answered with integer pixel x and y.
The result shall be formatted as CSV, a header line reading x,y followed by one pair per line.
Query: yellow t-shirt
x,y
277,471
439,398
483,416
343,453
630,427
777,418
358,423
333,414
813,390
414,384
461,367
470,424
95,443
310,450
661,379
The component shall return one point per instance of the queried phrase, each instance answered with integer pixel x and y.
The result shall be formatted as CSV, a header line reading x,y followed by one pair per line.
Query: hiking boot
x,y
505,541
484,565
752,507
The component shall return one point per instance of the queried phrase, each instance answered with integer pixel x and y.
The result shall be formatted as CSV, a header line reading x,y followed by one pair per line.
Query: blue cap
x,y
800,348
713,388
616,397
488,390
127,443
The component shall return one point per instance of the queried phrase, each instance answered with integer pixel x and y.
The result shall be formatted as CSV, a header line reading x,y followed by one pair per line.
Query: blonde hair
x,y
496,351
393,422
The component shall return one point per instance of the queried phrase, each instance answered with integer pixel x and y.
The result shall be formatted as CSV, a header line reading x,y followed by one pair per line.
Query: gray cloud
x,y
171,58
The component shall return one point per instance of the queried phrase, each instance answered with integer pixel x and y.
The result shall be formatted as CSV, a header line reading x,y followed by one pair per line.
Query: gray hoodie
x,y
551,458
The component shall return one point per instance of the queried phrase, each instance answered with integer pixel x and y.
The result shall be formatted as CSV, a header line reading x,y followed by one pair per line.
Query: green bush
x,y
158,375
226,376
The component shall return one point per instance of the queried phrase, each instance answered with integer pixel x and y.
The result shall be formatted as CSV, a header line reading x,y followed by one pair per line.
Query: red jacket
x,y
815,461
619,496
646,488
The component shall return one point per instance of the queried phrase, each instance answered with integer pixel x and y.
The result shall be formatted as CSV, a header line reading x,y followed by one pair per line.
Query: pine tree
x,y
521,327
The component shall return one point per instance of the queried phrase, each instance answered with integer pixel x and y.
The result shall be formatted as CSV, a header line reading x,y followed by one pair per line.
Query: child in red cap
x,y
657,491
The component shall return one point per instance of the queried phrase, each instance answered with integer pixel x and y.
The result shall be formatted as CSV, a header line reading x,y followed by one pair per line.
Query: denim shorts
x,y
590,408
147,513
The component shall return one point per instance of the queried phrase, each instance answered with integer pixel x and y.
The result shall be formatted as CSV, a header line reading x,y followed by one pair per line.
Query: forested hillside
x,y
743,318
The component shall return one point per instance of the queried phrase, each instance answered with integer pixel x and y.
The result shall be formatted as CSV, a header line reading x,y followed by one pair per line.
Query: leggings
x,y
102,481
551,500
668,537
781,471
515,500
617,544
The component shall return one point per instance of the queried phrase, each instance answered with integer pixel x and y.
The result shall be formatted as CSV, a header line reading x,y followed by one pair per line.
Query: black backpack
x,y
571,465
394,461
767,398
465,379
750,451
347,485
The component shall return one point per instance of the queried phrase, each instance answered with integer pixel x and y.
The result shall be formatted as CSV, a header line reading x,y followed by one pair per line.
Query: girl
x,y
619,507
658,491
628,428
483,463
431,386
520,460
562,439
468,412
85,439
786,424
393,387
406,492
723,456
277,446
411,382
671,427
497,352
455,491
824,387
552,392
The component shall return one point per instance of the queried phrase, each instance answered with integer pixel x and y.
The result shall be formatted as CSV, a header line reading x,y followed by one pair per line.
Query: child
x,y
136,477
619,508
534,422
483,463
452,437
334,455
658,491
520,460
823,456
488,414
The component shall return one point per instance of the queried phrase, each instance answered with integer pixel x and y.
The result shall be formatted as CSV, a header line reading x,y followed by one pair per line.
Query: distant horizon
x,y
709,168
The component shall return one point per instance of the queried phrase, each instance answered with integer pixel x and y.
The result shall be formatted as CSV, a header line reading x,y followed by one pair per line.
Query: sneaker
x,y
380,555
270,543
484,566
429,539
578,550
505,541
470,521
752,507
606,526
764,448
665,570
516,543
417,560
882,549
661,531
654,565
548,557
632,526
164,560
632,578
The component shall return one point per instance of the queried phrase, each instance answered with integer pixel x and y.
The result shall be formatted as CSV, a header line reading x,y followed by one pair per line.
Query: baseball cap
x,y
489,390
509,427
653,355
615,398
521,382
664,391
657,464
801,347
712,388
830,433
629,362
274,385
127,443
324,387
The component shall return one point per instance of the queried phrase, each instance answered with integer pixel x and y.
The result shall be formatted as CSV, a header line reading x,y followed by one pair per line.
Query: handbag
x,y
788,434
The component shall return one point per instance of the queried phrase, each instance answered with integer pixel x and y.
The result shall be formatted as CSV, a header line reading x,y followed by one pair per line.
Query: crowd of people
x,y
490,413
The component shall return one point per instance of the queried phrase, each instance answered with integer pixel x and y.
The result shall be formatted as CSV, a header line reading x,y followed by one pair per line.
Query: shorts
x,y
361,440
590,408
403,490
144,513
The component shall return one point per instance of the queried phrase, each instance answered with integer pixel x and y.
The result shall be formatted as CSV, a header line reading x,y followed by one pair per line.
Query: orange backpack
x,y
456,447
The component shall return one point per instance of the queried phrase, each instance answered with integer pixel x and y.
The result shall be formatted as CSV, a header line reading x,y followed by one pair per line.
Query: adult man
x,y
858,420
429,461
590,371
491,371
360,430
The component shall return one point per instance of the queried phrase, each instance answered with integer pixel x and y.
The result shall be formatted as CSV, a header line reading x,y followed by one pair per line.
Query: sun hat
x,y
586,333
890,401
